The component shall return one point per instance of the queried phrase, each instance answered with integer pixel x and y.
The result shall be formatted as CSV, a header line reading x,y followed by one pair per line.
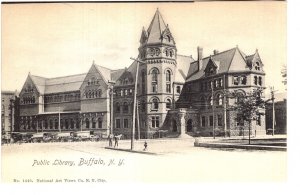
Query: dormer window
x,y
168,38
257,66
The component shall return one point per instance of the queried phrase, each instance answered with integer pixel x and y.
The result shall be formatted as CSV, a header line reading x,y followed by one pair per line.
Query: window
x,y
67,124
236,80
220,82
155,104
257,66
56,124
51,123
219,100
87,123
168,86
99,123
168,75
168,38
93,123
255,80
155,121
125,124
259,81
121,92
178,89
219,120
126,92
125,107
118,123
168,104
211,120
243,80
154,74
118,107
210,101
203,121
154,87
72,123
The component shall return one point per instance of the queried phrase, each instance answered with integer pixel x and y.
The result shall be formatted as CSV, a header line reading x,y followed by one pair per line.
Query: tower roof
x,y
156,28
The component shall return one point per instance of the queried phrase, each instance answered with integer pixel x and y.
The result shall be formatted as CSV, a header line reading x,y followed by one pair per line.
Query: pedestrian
x,y
110,138
116,141
145,146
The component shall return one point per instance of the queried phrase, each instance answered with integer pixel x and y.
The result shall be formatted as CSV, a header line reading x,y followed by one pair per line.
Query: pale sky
x,y
53,40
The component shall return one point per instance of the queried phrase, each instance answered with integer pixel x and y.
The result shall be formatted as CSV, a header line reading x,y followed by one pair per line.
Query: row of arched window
x,y
62,97
93,93
217,100
28,100
53,124
123,92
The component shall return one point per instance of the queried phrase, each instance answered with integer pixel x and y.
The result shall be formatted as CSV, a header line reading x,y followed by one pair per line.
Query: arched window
x,y
56,124
72,123
125,107
154,74
93,123
87,123
67,123
171,54
168,104
99,123
168,76
168,38
155,104
210,101
219,100
118,108
51,123
257,66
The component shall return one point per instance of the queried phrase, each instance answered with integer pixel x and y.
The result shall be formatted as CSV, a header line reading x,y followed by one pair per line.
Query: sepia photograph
x,y
169,92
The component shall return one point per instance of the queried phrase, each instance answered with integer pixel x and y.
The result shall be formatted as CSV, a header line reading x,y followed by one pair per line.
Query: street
x,y
177,161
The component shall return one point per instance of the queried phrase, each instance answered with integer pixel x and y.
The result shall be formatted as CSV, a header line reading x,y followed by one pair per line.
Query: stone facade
x,y
175,93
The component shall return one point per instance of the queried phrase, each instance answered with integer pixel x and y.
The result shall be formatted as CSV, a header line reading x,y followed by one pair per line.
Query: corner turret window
x,y
168,104
154,74
155,104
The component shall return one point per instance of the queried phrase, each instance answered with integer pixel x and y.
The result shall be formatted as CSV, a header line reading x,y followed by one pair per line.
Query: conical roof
x,y
156,28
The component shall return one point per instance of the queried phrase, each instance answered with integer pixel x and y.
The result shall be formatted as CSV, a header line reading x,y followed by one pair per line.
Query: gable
x,y
29,88
238,63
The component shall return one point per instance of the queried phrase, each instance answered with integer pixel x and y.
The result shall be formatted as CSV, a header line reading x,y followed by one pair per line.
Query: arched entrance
x,y
189,126
174,126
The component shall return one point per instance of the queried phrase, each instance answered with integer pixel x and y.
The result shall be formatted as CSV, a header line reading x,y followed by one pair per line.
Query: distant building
x,y
9,112
173,91
280,114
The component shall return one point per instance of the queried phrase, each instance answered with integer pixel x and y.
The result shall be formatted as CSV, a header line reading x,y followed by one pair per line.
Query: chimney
x,y
200,55
216,52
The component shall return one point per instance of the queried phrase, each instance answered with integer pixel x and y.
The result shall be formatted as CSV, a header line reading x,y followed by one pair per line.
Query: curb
x,y
132,151
247,147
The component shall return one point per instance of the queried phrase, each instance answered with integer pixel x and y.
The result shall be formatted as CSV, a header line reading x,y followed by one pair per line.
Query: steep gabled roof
x,y
183,64
223,58
39,82
64,84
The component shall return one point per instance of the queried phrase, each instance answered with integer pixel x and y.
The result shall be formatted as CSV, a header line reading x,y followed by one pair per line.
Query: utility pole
x,y
59,119
213,110
138,120
273,109
111,106
225,108
134,101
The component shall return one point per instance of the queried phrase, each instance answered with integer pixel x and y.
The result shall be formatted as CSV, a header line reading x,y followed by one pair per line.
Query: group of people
x,y
116,138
